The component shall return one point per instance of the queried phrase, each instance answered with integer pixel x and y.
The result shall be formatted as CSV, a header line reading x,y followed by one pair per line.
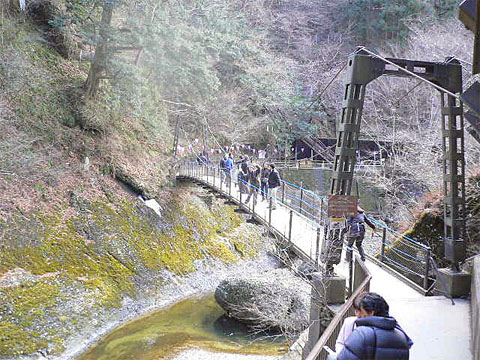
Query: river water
x,y
191,323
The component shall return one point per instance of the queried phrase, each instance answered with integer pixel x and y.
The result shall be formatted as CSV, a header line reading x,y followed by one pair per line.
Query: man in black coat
x,y
377,335
274,182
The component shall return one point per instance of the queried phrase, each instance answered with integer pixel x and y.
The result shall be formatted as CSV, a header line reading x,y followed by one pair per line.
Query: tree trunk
x,y
101,52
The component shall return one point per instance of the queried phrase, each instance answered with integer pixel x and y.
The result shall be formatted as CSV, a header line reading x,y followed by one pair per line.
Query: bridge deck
x,y
440,331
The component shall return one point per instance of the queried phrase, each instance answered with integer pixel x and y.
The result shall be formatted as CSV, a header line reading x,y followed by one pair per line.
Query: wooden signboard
x,y
340,206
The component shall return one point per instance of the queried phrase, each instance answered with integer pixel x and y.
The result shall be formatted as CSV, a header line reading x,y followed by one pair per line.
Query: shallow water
x,y
195,322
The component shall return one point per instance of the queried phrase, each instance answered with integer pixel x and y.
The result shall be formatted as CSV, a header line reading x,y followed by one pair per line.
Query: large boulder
x,y
274,300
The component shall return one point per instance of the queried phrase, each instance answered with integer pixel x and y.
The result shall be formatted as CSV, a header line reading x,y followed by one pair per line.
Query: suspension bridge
x,y
401,269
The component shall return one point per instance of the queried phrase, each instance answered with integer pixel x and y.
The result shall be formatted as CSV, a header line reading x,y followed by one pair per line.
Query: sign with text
x,y
342,206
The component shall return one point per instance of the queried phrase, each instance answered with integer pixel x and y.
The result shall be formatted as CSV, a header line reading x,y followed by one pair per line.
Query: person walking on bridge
x,y
223,168
273,183
377,335
356,232
228,170
264,178
254,181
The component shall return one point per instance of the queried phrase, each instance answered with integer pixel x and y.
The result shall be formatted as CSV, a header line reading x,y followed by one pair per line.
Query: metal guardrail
x,y
361,282
404,255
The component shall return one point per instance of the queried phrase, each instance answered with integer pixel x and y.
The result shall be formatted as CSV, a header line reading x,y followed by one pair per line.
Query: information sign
x,y
340,206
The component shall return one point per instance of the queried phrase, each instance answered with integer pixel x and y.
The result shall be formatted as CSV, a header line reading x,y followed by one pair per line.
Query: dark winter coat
x,y
265,174
274,179
223,164
255,178
376,338
356,225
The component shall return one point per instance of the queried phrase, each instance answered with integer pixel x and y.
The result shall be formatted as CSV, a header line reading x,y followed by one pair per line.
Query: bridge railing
x,y
404,255
407,256
362,278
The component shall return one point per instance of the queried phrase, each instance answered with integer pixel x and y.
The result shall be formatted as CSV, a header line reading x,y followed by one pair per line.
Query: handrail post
x,y
240,190
321,210
283,192
270,212
290,227
301,197
254,200
384,239
427,269
230,183
221,179
317,246
350,275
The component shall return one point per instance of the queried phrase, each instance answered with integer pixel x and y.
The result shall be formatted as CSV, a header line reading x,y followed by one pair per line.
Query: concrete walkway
x,y
439,330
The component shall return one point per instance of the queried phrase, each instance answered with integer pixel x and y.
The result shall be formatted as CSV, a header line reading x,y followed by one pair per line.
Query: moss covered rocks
x,y
61,271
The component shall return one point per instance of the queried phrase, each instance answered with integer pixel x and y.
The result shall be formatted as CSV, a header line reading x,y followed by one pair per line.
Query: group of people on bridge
x,y
252,178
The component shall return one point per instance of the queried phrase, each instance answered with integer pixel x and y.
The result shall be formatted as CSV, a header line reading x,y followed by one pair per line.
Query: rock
x,y
154,205
276,300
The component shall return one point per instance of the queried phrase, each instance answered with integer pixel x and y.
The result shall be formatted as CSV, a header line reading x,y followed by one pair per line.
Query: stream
x,y
190,323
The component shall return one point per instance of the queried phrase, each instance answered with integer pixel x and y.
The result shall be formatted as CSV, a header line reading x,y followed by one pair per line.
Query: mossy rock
x,y
102,255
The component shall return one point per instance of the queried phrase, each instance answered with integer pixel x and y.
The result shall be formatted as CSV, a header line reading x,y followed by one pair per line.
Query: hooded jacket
x,y
376,338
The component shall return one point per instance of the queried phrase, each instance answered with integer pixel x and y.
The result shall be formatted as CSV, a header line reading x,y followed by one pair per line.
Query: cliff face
x,y
428,225
68,271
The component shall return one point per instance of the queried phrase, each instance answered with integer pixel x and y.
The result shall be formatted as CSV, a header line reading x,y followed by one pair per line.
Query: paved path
x,y
439,330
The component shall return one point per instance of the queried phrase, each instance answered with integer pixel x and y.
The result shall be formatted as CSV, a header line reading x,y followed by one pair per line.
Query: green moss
x,y
100,251
25,308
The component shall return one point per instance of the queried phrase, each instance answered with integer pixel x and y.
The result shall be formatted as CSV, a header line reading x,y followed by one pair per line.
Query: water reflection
x,y
197,322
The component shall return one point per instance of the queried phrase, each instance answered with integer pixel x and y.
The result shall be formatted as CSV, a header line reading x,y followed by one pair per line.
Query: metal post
x,y
270,213
427,270
301,196
321,210
240,190
350,275
230,183
453,168
283,192
384,240
221,181
254,200
317,246
290,222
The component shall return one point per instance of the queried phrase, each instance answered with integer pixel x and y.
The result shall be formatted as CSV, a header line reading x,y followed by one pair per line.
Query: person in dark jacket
x,y
243,176
264,180
377,336
254,181
223,168
273,183
356,232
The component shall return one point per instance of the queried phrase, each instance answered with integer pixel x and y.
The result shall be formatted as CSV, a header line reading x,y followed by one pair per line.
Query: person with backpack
x,y
274,182
356,232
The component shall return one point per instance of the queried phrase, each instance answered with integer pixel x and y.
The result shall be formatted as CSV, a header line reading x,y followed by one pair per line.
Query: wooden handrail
x,y
330,334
